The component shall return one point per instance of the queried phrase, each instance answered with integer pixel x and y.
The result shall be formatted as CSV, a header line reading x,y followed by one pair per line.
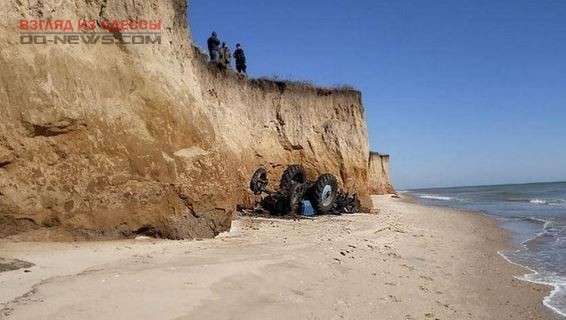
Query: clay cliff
x,y
378,175
110,141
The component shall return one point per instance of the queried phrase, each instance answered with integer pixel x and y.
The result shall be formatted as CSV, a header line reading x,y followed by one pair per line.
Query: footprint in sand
x,y
424,289
394,255
408,267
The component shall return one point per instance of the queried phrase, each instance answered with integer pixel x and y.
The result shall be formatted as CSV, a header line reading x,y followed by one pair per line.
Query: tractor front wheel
x,y
323,193
259,181
293,174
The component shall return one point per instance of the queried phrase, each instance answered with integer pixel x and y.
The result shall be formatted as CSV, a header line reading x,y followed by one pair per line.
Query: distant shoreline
x,y
483,185
411,198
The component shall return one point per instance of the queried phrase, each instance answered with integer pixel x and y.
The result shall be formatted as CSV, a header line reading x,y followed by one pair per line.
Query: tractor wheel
x,y
296,194
293,174
323,193
259,181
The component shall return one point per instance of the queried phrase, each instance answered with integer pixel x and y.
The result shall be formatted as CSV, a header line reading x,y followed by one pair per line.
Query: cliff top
x,y
271,83
377,154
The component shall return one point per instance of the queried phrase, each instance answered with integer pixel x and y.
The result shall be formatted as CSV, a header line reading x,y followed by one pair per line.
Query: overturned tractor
x,y
296,192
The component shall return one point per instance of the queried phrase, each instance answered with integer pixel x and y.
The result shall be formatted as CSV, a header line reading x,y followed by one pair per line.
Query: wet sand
x,y
407,262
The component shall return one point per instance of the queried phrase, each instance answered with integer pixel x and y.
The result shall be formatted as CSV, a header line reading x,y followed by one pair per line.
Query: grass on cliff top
x,y
277,78
307,83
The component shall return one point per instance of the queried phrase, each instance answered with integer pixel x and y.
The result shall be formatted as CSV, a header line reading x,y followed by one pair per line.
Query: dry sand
x,y
407,262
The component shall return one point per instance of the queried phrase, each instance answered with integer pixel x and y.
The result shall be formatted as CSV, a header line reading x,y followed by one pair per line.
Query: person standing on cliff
x,y
225,55
240,57
213,46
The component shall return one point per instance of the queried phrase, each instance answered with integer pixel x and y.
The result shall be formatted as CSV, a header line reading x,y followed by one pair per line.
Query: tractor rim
x,y
327,195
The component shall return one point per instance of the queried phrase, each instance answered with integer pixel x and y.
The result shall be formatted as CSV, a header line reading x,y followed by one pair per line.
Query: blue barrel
x,y
306,209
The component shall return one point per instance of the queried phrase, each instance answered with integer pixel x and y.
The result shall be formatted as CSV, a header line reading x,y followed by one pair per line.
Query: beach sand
x,y
406,262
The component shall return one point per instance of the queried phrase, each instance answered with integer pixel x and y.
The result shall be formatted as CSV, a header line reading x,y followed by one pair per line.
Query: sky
x,y
467,92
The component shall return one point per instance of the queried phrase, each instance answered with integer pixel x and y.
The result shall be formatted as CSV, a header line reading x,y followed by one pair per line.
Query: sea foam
x,y
435,197
554,202
553,301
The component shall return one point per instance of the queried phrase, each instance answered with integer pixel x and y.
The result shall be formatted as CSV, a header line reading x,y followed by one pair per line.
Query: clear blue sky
x,y
463,92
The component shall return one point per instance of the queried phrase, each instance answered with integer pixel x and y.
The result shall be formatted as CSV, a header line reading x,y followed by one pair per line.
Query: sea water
x,y
536,216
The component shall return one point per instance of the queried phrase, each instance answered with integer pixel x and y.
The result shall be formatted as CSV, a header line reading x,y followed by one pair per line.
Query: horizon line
x,y
485,185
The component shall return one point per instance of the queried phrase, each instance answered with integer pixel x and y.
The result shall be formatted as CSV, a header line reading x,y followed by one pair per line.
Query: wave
x,y
435,197
557,283
549,226
548,202
555,300
537,201
554,202
559,202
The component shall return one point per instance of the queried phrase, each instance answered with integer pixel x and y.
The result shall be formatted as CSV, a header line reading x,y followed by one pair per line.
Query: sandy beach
x,y
406,262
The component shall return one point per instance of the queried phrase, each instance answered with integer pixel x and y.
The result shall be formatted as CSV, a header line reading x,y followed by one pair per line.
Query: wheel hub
x,y
327,195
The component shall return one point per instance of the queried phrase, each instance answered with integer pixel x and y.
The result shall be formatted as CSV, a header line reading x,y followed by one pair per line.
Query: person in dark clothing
x,y
240,57
213,46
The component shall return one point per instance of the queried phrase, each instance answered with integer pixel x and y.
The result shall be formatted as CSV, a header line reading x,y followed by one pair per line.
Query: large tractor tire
x,y
323,193
259,181
293,174
296,194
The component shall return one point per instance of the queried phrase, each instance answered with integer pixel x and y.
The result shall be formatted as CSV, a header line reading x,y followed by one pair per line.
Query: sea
x,y
535,213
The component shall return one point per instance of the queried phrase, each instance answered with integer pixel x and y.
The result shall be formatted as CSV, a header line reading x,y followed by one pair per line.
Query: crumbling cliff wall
x,y
378,176
109,141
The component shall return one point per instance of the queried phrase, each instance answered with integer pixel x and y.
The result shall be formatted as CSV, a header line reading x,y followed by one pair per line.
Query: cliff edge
x,y
107,141
378,176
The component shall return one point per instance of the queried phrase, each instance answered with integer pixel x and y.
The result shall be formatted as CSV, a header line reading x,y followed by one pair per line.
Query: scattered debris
x,y
15,264
346,203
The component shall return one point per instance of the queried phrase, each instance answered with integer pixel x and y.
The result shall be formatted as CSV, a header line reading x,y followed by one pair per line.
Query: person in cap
x,y
240,57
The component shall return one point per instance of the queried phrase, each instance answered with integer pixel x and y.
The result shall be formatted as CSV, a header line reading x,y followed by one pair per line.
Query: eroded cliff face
x,y
109,141
379,182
